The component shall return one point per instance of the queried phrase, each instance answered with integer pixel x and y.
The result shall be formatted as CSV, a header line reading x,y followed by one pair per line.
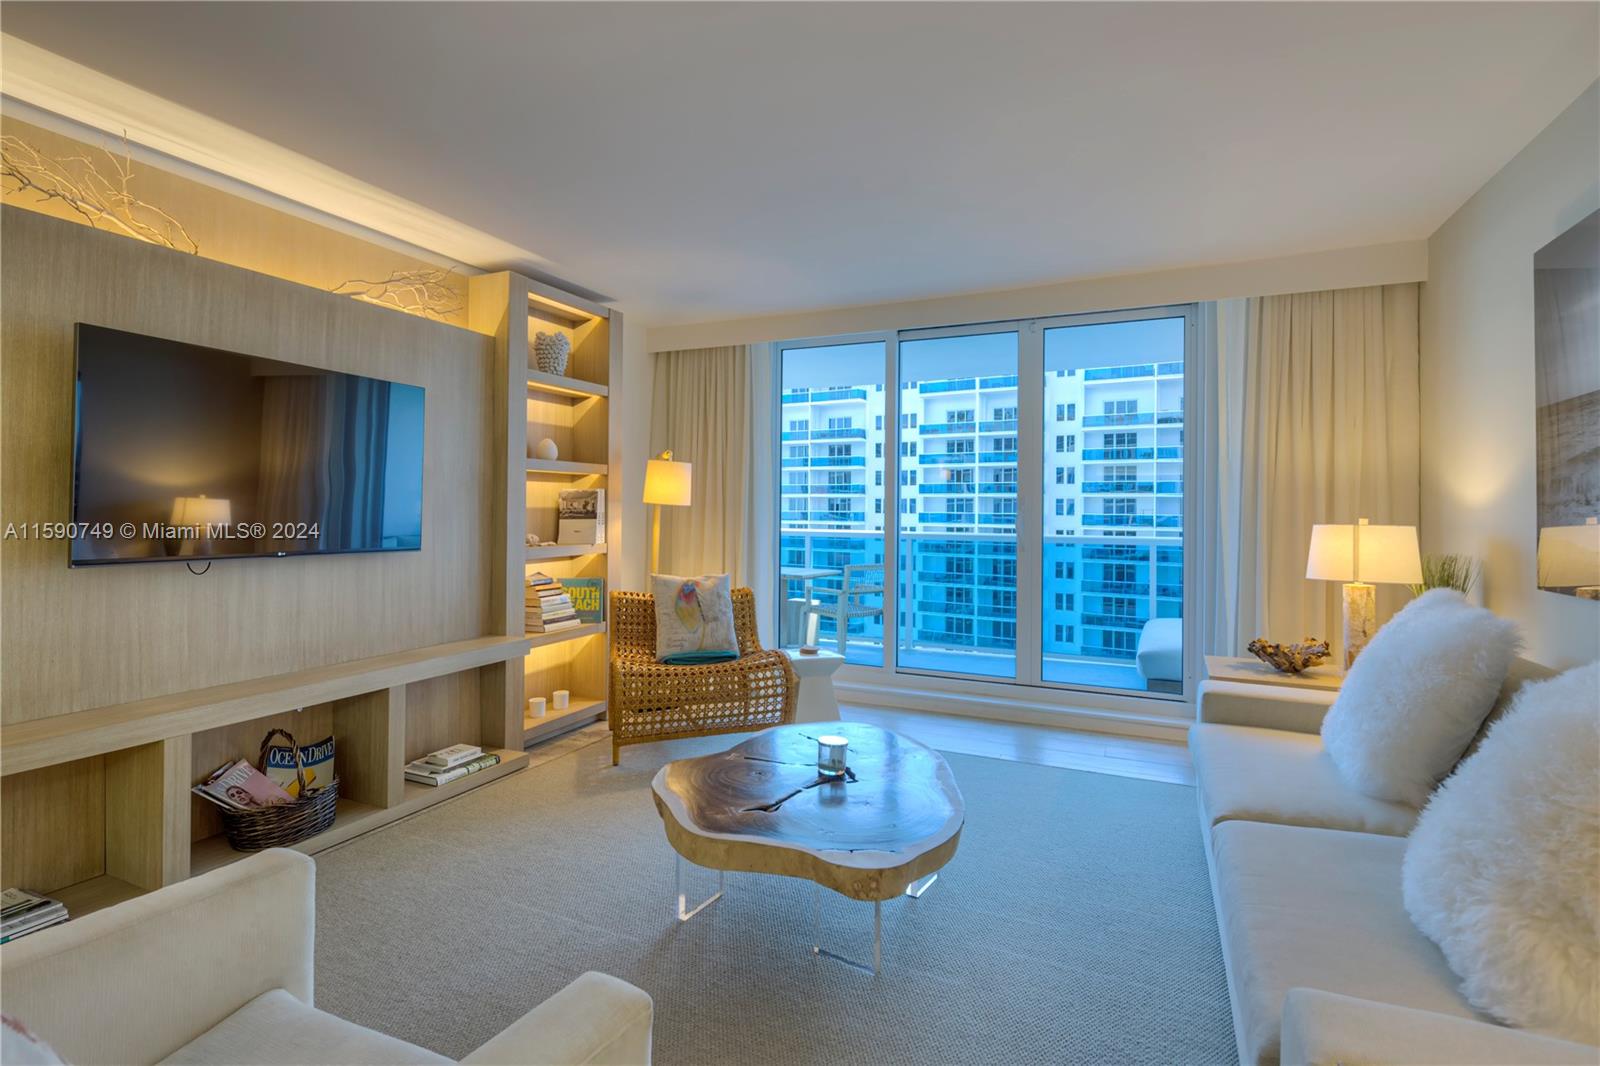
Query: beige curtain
x,y
1314,401
702,409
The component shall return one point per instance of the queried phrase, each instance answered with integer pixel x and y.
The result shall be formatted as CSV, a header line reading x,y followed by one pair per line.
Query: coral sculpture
x,y
1290,658
550,352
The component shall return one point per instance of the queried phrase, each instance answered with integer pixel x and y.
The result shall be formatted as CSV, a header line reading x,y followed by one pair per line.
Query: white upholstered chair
x,y
218,968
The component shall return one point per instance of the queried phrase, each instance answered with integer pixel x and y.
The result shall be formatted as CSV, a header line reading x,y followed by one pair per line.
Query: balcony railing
x,y
1169,418
1144,521
824,490
999,488
1126,418
935,429
1117,455
1004,381
945,458
1113,373
1004,425
1114,621
840,433
947,518
948,385
997,457
826,460
823,395
1118,486
1170,488
1166,369
837,516
957,489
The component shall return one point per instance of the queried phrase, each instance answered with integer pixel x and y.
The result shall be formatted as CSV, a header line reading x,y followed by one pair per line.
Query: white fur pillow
x,y
1503,869
1416,696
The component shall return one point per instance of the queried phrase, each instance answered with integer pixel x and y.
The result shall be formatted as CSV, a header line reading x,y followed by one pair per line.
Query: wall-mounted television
x,y
188,454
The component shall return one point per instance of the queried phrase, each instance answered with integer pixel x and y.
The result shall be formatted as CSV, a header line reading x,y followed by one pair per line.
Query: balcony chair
x,y
860,579
653,701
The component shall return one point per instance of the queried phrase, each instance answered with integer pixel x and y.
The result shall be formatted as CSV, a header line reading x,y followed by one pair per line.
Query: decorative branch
x,y
103,198
424,292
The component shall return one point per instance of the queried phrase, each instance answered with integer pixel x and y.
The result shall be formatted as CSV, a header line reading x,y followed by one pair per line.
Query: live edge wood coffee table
x,y
882,830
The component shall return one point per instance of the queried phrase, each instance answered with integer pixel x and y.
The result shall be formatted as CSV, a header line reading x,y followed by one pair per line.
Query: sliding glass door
x,y
831,441
957,521
1011,509
1112,535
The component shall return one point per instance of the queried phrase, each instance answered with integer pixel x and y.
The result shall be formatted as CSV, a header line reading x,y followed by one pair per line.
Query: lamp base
x,y
1360,618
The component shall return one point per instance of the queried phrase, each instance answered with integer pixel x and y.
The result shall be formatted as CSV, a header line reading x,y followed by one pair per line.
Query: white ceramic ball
x,y
546,449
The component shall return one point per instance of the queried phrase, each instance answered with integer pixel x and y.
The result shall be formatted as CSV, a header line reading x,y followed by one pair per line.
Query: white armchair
x,y
219,969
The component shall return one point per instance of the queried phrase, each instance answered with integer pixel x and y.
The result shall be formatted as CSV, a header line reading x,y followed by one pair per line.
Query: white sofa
x,y
1323,963
218,969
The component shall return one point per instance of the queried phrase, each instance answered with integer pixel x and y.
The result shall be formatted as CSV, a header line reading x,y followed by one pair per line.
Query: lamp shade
x,y
1569,556
667,482
1378,555
201,511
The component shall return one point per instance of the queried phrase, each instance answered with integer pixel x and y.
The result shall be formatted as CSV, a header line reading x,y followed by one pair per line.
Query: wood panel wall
x,y
78,638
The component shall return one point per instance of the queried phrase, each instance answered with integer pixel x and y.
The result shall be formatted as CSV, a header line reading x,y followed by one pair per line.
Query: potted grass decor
x,y
1459,572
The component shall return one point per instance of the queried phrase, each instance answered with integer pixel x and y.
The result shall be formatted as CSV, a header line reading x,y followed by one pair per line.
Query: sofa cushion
x,y
277,1028
1160,654
1271,775
1500,872
1417,696
1318,908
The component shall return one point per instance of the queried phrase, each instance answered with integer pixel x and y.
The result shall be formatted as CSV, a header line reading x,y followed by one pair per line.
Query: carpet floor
x,y
1074,925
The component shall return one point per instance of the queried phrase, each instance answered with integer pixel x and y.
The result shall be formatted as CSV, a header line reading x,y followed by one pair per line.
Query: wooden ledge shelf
x,y
355,818
566,468
564,551
580,711
544,640
64,738
574,388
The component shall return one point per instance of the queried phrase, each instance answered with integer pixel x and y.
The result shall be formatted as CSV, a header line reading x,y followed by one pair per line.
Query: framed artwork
x,y
1566,360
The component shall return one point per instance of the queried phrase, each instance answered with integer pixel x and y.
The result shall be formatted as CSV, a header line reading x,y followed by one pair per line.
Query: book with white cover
x,y
581,516
454,755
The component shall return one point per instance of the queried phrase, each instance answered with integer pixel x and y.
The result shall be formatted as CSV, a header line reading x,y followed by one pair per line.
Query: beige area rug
x,y
1074,925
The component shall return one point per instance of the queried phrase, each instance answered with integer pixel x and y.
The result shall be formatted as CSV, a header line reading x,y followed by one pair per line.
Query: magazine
x,y
238,786
588,595
318,760
424,773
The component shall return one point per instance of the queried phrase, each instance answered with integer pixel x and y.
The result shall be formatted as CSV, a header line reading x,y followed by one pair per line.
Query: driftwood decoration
x,y
102,195
1290,658
425,292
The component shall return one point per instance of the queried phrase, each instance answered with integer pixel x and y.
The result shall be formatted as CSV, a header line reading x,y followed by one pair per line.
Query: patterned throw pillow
x,y
694,619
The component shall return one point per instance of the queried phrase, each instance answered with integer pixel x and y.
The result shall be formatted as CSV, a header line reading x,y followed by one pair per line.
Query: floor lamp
x,y
1362,556
667,483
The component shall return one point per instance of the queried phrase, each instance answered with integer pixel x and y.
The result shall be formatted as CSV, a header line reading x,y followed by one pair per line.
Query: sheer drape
x,y
1313,401
701,410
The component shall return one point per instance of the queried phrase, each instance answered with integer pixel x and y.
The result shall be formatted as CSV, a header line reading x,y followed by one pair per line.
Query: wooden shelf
x,y
355,818
564,551
86,897
545,640
578,712
577,388
67,737
549,304
566,467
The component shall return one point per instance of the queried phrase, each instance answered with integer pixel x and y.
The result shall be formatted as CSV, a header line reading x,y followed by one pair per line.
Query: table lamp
x,y
1361,556
667,483
199,513
1569,557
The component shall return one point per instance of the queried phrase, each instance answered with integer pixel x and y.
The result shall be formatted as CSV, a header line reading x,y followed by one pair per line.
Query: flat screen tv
x,y
189,454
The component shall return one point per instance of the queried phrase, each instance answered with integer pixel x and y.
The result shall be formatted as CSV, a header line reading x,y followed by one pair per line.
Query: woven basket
x,y
287,823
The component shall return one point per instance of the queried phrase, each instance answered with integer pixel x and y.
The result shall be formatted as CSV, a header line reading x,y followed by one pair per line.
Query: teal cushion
x,y
695,658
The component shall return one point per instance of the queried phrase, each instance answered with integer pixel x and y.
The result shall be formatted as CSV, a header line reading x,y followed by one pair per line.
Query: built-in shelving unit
x,y
100,797
571,409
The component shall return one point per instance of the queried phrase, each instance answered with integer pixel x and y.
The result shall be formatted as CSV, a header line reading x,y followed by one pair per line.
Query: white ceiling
x,y
721,160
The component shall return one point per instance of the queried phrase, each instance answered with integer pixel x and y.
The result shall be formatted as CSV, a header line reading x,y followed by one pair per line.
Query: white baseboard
x,y
1014,709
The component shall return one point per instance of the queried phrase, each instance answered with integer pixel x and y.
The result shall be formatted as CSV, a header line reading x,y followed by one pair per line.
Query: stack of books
x,y
450,764
548,608
23,912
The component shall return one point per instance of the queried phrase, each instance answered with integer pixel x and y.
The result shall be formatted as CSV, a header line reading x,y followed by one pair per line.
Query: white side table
x,y
816,702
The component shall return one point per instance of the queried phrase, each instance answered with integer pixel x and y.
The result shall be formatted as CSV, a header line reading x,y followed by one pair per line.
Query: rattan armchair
x,y
653,701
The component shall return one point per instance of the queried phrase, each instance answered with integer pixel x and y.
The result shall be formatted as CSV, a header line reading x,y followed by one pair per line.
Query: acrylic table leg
x,y
877,935
916,888
684,913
